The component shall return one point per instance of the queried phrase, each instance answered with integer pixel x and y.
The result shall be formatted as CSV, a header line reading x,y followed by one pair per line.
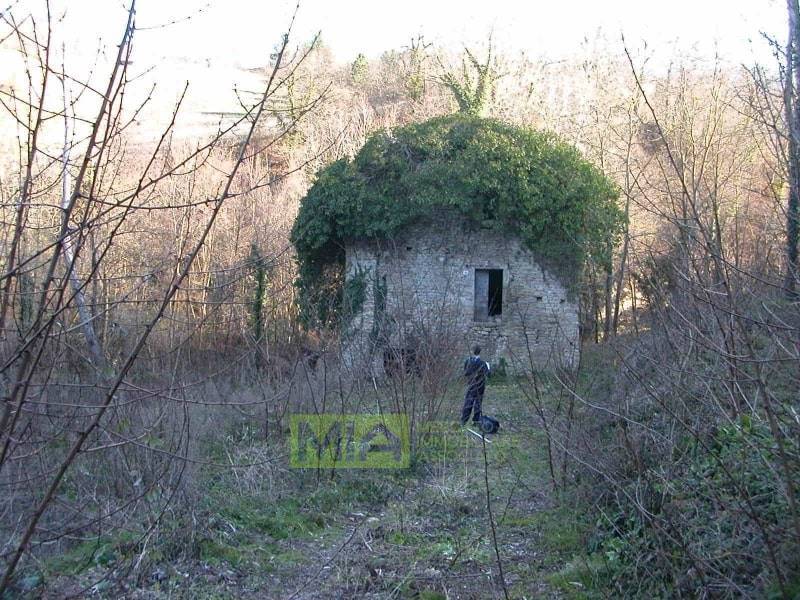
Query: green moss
x,y
510,178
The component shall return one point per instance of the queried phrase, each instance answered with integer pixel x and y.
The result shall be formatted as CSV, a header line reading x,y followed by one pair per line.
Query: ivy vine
x,y
355,293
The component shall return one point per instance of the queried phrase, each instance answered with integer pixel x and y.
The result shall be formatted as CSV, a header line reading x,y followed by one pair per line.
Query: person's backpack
x,y
489,424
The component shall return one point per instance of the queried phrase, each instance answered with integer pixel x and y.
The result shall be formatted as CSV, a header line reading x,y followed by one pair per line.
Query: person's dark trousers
x,y
472,404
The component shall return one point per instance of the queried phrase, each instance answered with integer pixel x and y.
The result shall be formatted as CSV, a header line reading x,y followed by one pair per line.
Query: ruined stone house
x,y
446,282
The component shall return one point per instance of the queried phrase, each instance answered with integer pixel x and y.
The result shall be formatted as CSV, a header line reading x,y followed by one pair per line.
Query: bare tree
x,y
77,394
791,99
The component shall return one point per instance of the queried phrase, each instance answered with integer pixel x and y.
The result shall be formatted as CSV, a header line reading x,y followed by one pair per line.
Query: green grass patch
x,y
560,531
349,492
431,595
243,555
215,552
443,549
406,538
280,520
582,578
102,552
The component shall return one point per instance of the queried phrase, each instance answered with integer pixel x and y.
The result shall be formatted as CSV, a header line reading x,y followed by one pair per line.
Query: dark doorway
x,y
488,293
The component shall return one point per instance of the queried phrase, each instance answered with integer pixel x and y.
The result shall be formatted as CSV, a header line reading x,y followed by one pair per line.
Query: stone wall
x,y
419,294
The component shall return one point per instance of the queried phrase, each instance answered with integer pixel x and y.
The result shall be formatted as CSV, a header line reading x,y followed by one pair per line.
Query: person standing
x,y
476,370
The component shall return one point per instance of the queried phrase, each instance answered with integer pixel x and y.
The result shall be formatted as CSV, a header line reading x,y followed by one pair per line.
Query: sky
x,y
212,42
243,30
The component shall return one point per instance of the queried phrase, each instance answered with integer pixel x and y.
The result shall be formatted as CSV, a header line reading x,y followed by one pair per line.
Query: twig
x,y
491,519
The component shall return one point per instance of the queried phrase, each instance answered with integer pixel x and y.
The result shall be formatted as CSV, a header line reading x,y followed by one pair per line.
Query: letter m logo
x,y
342,441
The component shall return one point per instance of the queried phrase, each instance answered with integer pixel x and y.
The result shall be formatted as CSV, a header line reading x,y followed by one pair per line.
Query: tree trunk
x,y
790,98
608,301
84,315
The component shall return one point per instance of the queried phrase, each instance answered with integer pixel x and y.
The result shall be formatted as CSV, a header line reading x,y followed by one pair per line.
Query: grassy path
x,y
431,537
423,532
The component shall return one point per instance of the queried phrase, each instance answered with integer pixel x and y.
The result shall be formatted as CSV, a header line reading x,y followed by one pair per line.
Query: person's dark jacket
x,y
476,370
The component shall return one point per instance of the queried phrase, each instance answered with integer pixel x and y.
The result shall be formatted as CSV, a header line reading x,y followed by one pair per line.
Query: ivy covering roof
x,y
512,178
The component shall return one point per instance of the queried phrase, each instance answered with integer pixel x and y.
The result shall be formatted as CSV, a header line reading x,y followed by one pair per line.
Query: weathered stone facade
x,y
427,287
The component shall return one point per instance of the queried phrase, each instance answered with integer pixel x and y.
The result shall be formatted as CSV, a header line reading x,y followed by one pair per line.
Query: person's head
x,y
476,350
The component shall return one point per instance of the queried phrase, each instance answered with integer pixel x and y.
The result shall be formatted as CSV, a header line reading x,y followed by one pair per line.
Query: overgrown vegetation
x,y
263,530
151,348
515,179
675,498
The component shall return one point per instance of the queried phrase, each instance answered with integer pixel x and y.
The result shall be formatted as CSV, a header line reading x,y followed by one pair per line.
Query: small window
x,y
488,293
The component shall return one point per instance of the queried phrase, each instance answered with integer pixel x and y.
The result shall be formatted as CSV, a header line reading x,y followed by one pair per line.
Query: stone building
x,y
445,283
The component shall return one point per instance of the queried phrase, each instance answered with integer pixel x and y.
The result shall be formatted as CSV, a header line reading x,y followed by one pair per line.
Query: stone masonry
x,y
427,287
